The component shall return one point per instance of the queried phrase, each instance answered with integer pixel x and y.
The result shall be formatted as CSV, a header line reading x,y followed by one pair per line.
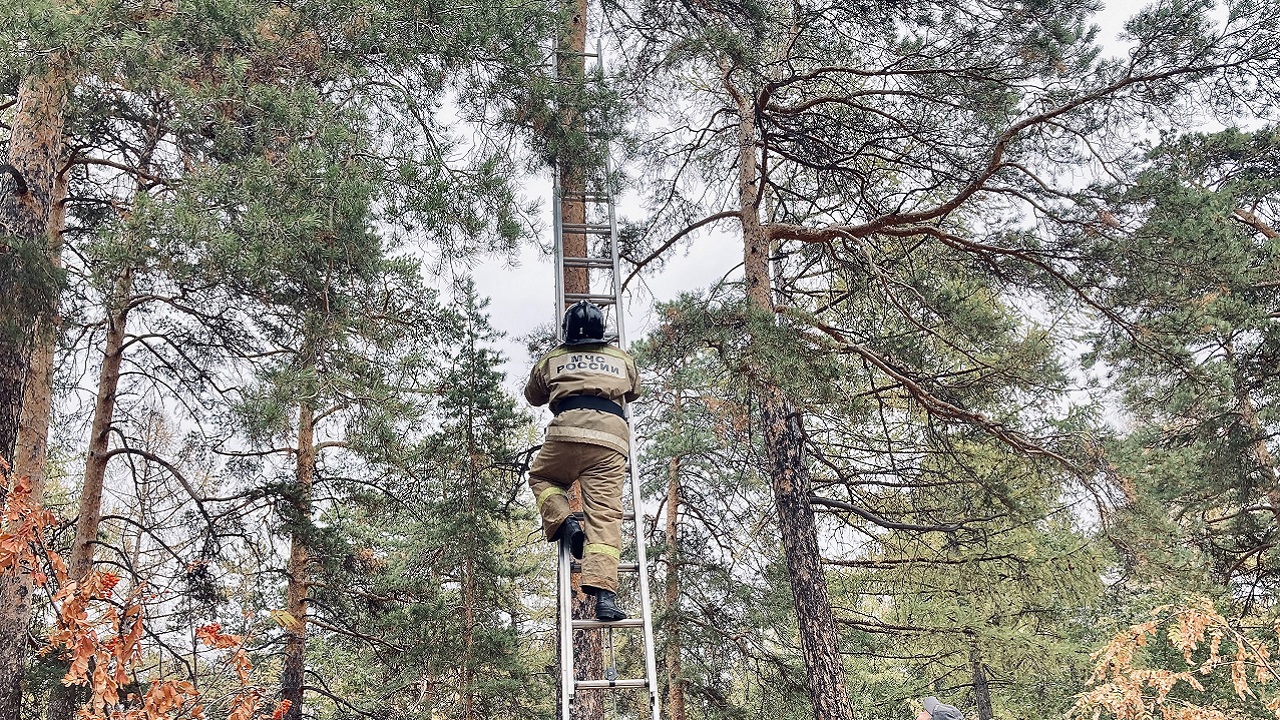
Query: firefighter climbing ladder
x,y
600,223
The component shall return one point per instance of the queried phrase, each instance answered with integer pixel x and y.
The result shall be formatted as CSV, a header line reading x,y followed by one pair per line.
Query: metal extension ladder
x,y
601,223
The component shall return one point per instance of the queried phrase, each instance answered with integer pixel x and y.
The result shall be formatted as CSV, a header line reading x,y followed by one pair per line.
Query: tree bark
x,y
784,446
292,678
95,468
29,461
27,190
783,439
13,376
981,689
469,571
469,638
675,683
571,67
1258,450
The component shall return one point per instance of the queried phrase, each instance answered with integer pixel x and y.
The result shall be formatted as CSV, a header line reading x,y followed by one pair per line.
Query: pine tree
x,y
170,108
28,177
728,626
1187,258
343,321
447,592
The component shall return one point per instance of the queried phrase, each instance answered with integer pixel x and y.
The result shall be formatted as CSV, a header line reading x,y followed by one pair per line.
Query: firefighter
x,y
585,380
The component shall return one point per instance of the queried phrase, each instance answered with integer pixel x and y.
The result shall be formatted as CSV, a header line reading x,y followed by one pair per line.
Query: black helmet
x,y
583,324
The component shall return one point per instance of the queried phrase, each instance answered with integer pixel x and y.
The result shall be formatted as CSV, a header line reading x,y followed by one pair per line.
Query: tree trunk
x,y
27,191
981,689
64,700
469,572
15,590
571,67
13,376
293,677
95,468
469,638
29,461
1258,450
784,447
675,683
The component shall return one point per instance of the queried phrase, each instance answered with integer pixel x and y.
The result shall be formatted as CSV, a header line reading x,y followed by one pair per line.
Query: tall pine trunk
x,y
118,308
784,448
468,639
13,375
64,700
469,573
1269,478
293,676
95,467
571,70
29,461
27,196
675,683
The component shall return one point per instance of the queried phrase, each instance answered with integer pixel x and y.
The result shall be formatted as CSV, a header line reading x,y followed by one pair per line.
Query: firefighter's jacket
x,y
601,370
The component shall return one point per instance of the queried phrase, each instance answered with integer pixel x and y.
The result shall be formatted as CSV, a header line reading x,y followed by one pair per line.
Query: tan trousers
x,y
600,472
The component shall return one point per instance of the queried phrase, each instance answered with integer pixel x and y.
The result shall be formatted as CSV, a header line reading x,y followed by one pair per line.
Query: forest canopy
x,y
982,410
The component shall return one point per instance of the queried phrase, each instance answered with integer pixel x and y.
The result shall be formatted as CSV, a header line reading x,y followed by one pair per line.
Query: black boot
x,y
607,608
571,530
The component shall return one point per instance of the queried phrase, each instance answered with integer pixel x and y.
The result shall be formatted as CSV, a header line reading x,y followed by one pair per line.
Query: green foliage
x,y
30,282
436,564
263,185
946,550
733,616
1193,282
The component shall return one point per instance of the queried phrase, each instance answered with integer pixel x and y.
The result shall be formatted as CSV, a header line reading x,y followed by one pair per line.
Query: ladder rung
x,y
610,684
586,197
589,262
626,515
594,624
622,567
597,299
575,53
586,229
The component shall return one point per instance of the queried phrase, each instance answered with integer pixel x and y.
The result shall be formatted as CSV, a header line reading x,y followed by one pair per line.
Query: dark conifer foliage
x,y
1188,258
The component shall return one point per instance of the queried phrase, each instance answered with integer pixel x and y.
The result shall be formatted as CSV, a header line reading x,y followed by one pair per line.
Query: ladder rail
x,y
558,248
557,221
564,586
646,607
564,578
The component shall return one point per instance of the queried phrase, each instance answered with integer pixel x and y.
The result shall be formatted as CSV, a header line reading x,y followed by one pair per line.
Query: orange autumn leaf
x,y
244,707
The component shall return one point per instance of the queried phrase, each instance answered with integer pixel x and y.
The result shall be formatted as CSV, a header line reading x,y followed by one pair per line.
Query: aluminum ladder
x,y
601,224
